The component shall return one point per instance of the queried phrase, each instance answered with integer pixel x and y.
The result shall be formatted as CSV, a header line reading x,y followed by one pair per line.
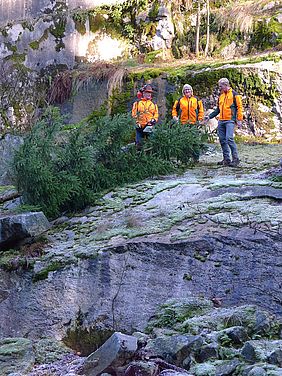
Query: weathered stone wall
x,y
11,10
89,3
53,40
122,287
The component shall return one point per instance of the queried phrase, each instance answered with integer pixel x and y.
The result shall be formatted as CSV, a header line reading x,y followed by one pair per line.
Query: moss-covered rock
x,y
16,355
48,350
86,340
59,27
175,348
247,316
53,266
176,311
80,19
263,351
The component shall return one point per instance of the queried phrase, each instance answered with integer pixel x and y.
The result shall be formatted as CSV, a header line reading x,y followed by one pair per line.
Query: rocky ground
x,y
213,232
185,337
207,199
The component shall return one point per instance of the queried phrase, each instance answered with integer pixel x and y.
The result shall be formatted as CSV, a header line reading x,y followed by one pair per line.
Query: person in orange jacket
x,y
188,109
145,113
230,111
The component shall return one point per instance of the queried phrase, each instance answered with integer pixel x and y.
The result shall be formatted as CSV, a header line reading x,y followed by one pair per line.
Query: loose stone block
x,y
113,353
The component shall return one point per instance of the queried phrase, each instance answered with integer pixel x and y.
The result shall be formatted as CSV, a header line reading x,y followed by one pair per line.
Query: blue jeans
x,y
140,136
225,131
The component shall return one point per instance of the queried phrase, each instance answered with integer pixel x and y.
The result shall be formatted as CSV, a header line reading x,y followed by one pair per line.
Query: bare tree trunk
x,y
198,28
208,28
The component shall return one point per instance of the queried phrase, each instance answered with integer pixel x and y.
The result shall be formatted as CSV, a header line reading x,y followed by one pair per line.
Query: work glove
x,y
175,118
151,122
138,126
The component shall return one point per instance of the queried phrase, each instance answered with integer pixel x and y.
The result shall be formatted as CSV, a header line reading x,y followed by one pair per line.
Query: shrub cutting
x,y
62,169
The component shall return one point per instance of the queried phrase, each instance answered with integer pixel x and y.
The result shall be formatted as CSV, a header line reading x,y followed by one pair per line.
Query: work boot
x,y
235,162
224,162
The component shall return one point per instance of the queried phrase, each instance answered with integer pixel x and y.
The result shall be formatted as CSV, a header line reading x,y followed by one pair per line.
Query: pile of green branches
x,y
61,168
174,142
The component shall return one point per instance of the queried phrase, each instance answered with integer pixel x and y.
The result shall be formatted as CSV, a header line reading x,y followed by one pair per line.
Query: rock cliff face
x,y
122,286
11,10
213,232
8,146
39,34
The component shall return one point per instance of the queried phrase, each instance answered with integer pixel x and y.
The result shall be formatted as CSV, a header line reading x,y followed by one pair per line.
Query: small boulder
x,y
142,338
18,227
263,351
141,368
217,368
237,335
49,350
175,311
8,193
229,51
114,353
227,367
250,317
204,369
174,349
257,371
207,352
276,357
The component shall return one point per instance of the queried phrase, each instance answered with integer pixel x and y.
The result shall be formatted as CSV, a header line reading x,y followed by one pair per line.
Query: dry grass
x,y
116,79
241,16
69,82
132,221
61,88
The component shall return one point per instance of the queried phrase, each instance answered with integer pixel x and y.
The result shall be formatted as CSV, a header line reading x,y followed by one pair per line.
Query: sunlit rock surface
x,y
214,232
21,9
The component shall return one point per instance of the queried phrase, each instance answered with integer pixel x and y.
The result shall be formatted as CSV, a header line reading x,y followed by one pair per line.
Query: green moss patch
x,y
80,19
51,267
85,340
48,350
34,45
16,356
59,27
176,311
14,260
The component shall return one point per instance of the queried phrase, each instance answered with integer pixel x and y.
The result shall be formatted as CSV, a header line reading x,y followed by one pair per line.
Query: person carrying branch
x,y
146,114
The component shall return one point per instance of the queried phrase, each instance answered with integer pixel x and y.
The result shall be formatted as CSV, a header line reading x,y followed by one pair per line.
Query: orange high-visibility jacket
x,y
229,106
190,110
144,111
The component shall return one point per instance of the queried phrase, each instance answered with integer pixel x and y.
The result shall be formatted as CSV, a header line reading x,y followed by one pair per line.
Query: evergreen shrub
x,y
177,142
61,168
